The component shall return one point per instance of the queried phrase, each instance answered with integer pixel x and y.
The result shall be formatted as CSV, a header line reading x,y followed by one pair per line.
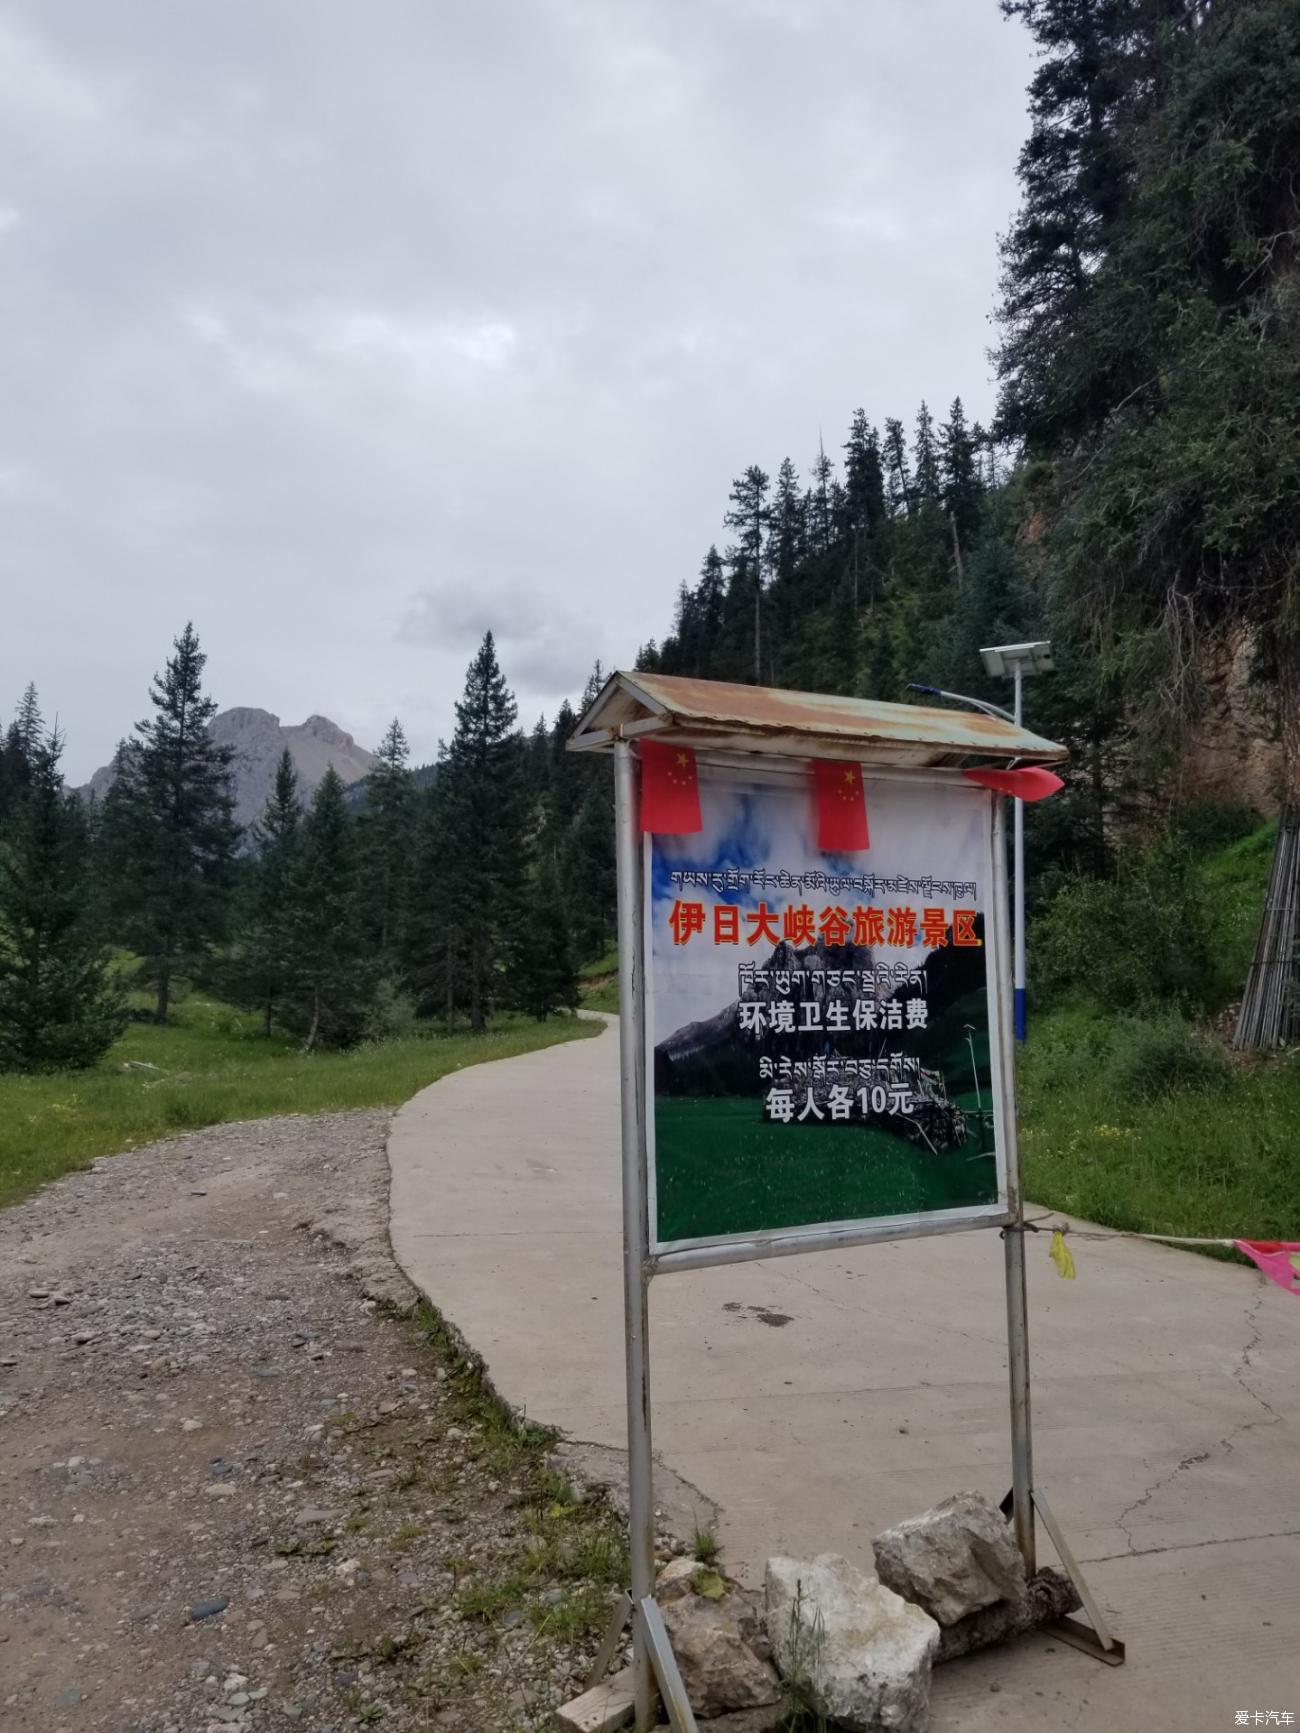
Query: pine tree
x,y
750,514
258,970
864,481
435,933
1097,76
925,465
959,471
169,832
332,971
387,826
787,529
897,479
710,594
821,501
483,798
19,747
544,975
61,1005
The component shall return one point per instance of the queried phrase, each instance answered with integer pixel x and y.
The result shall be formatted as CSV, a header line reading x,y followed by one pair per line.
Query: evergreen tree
x,y
821,501
19,748
387,826
925,465
168,828
1098,74
787,526
437,929
710,594
61,1005
259,968
483,799
897,478
544,975
864,481
332,972
959,471
750,514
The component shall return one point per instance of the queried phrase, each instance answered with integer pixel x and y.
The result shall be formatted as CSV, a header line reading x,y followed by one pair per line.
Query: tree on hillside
x,y
18,748
168,828
787,525
387,827
482,802
1102,66
925,457
61,1005
959,477
898,480
332,971
436,928
258,971
749,514
544,976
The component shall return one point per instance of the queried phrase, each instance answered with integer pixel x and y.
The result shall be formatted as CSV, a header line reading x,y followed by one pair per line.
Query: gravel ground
x,y
246,1482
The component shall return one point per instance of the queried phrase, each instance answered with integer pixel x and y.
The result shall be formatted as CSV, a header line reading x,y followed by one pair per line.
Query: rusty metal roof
x,y
802,724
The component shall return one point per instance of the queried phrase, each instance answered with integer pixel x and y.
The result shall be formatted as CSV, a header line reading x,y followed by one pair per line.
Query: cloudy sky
x,y
353,330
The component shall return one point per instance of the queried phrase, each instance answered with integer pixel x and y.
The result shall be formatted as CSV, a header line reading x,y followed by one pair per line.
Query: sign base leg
x,y
1099,1641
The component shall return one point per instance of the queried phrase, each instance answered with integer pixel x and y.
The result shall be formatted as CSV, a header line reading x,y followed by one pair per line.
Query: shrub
x,y
392,1015
1209,824
1142,938
1162,1056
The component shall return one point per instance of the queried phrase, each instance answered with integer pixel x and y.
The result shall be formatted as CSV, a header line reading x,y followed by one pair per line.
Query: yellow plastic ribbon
x,y
1062,1256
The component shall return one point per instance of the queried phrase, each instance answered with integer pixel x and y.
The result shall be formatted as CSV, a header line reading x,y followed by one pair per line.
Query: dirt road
x,y
238,1488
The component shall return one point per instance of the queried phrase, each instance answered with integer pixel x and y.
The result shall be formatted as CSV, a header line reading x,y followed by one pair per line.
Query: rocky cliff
x,y
257,739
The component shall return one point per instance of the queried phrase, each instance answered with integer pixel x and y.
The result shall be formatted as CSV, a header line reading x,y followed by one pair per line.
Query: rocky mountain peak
x,y
258,737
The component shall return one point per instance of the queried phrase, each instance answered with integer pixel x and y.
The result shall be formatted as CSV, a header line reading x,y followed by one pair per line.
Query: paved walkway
x,y
819,1398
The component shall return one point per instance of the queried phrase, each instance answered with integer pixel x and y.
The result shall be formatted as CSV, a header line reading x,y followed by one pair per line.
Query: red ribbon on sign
x,y
1031,783
841,806
670,789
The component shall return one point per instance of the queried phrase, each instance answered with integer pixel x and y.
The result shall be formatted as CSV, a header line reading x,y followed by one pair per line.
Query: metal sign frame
x,y
653,1662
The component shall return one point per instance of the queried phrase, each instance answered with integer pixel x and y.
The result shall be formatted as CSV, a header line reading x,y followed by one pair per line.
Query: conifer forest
x,y
1135,498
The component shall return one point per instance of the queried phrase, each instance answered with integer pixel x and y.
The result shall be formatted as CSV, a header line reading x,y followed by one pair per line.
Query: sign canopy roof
x,y
802,724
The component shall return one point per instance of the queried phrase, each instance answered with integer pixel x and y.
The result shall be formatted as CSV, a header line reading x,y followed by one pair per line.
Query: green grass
x,y
1220,1160
213,1065
599,982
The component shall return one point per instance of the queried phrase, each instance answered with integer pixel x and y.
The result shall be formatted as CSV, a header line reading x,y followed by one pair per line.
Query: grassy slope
x,y
599,980
214,1066
1219,1160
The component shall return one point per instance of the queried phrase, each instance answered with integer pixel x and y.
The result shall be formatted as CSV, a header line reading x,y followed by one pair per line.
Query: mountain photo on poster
x,y
819,1023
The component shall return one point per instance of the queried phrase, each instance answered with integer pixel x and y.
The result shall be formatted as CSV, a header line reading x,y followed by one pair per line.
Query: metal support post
x,y
636,1222
1013,1235
1019,855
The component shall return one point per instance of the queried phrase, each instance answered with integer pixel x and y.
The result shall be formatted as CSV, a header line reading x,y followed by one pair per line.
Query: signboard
x,y
821,1051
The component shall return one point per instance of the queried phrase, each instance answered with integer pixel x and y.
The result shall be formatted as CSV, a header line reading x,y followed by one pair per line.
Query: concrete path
x,y
818,1399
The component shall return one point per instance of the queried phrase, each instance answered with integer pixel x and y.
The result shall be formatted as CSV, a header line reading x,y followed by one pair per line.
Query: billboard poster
x,y
821,1049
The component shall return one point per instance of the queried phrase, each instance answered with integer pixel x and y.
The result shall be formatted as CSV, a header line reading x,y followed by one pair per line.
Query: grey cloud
x,y
314,310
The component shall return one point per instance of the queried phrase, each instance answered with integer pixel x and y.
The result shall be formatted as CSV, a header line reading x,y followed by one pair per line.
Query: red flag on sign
x,y
670,789
841,806
1031,783
1279,1260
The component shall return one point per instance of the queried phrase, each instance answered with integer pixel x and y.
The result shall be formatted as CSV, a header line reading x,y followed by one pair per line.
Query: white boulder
x,y
854,1650
953,1560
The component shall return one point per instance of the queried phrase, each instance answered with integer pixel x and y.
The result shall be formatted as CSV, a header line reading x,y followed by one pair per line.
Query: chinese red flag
x,y
670,788
1030,783
841,806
